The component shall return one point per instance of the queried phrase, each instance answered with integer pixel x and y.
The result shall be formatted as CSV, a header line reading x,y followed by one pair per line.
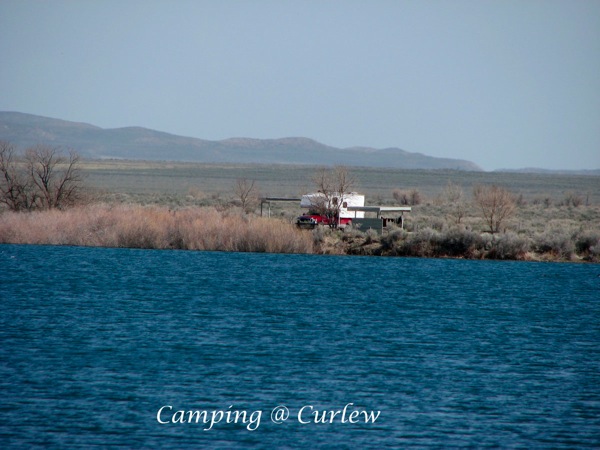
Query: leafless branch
x,y
245,191
333,185
496,204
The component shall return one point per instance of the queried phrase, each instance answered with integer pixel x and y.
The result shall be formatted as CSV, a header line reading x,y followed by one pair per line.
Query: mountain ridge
x,y
133,142
537,170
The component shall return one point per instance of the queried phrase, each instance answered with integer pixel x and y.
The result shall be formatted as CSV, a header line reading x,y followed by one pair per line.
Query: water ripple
x,y
453,353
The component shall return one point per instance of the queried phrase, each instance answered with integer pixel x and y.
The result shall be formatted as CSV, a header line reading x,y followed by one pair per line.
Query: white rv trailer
x,y
314,200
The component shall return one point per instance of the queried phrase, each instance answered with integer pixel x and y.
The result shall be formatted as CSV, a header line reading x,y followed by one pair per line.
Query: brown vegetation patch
x,y
135,226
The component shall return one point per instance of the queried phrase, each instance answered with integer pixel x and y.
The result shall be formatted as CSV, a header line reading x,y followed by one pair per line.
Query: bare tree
x,y
16,189
9,184
496,204
57,178
412,197
333,185
245,191
454,195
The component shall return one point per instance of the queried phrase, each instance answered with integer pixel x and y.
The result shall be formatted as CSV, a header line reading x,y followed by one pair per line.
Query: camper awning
x,y
380,209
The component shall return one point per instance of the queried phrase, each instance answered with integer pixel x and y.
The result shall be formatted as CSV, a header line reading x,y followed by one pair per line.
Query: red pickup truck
x,y
312,220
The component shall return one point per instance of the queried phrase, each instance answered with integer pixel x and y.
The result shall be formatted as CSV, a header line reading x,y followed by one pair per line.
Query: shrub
x,y
352,233
509,246
420,243
556,242
390,240
371,236
586,240
318,235
573,199
438,223
594,254
458,242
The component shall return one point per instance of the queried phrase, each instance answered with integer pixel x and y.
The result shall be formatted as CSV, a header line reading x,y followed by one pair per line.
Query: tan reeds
x,y
136,226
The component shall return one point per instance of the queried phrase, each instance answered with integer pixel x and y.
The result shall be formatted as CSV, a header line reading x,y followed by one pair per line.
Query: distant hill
x,y
25,130
591,172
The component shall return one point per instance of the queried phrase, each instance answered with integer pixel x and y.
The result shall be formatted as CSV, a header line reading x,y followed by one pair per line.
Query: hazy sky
x,y
503,83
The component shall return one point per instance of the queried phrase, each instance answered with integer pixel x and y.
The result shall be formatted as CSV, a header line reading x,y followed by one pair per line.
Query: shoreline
x,y
531,259
230,230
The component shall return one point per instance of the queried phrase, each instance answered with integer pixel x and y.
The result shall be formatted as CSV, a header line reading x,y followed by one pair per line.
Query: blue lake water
x,y
99,347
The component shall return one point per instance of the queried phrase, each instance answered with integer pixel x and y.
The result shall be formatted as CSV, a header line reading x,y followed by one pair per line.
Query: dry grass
x,y
136,226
